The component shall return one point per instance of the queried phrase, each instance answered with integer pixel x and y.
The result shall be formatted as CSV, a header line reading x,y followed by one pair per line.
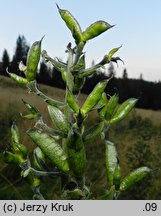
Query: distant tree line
x,y
148,92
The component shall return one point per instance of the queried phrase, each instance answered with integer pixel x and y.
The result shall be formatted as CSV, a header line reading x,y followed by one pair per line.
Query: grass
x,y
139,134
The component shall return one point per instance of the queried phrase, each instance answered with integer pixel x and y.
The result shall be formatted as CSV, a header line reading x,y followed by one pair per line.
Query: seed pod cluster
x,y
65,145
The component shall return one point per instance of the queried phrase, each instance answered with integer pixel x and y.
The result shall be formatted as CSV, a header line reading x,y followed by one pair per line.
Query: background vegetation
x,y
148,92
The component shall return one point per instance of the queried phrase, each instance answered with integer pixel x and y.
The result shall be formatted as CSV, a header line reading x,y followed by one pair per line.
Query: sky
x,y
138,30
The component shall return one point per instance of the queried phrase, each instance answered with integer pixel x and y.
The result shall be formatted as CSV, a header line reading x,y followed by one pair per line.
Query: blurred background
x,y
138,138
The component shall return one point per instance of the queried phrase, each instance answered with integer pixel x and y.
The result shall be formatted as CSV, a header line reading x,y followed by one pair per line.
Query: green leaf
x,y
111,160
123,110
134,177
50,148
59,119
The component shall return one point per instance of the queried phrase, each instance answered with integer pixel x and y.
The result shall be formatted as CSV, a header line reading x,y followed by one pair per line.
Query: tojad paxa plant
x,y
65,146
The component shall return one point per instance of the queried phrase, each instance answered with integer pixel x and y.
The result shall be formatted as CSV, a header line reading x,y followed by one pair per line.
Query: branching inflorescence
x,y
65,146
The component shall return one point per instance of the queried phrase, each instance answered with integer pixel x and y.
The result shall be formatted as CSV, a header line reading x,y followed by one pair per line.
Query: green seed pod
x,y
35,182
9,157
94,97
72,24
50,148
123,110
134,177
78,82
95,29
15,140
20,148
33,58
87,72
15,133
58,118
32,180
80,65
102,111
76,154
111,160
18,79
101,106
111,106
72,102
31,108
93,131
75,194
34,111
29,116
102,102
108,57
39,159
117,176
78,85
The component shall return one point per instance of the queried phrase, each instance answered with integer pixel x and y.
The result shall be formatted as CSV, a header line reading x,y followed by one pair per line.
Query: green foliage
x,y
65,147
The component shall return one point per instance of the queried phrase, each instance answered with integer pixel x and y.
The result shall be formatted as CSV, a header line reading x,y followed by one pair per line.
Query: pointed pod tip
x,y
41,39
23,101
58,6
113,26
7,71
14,124
30,131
